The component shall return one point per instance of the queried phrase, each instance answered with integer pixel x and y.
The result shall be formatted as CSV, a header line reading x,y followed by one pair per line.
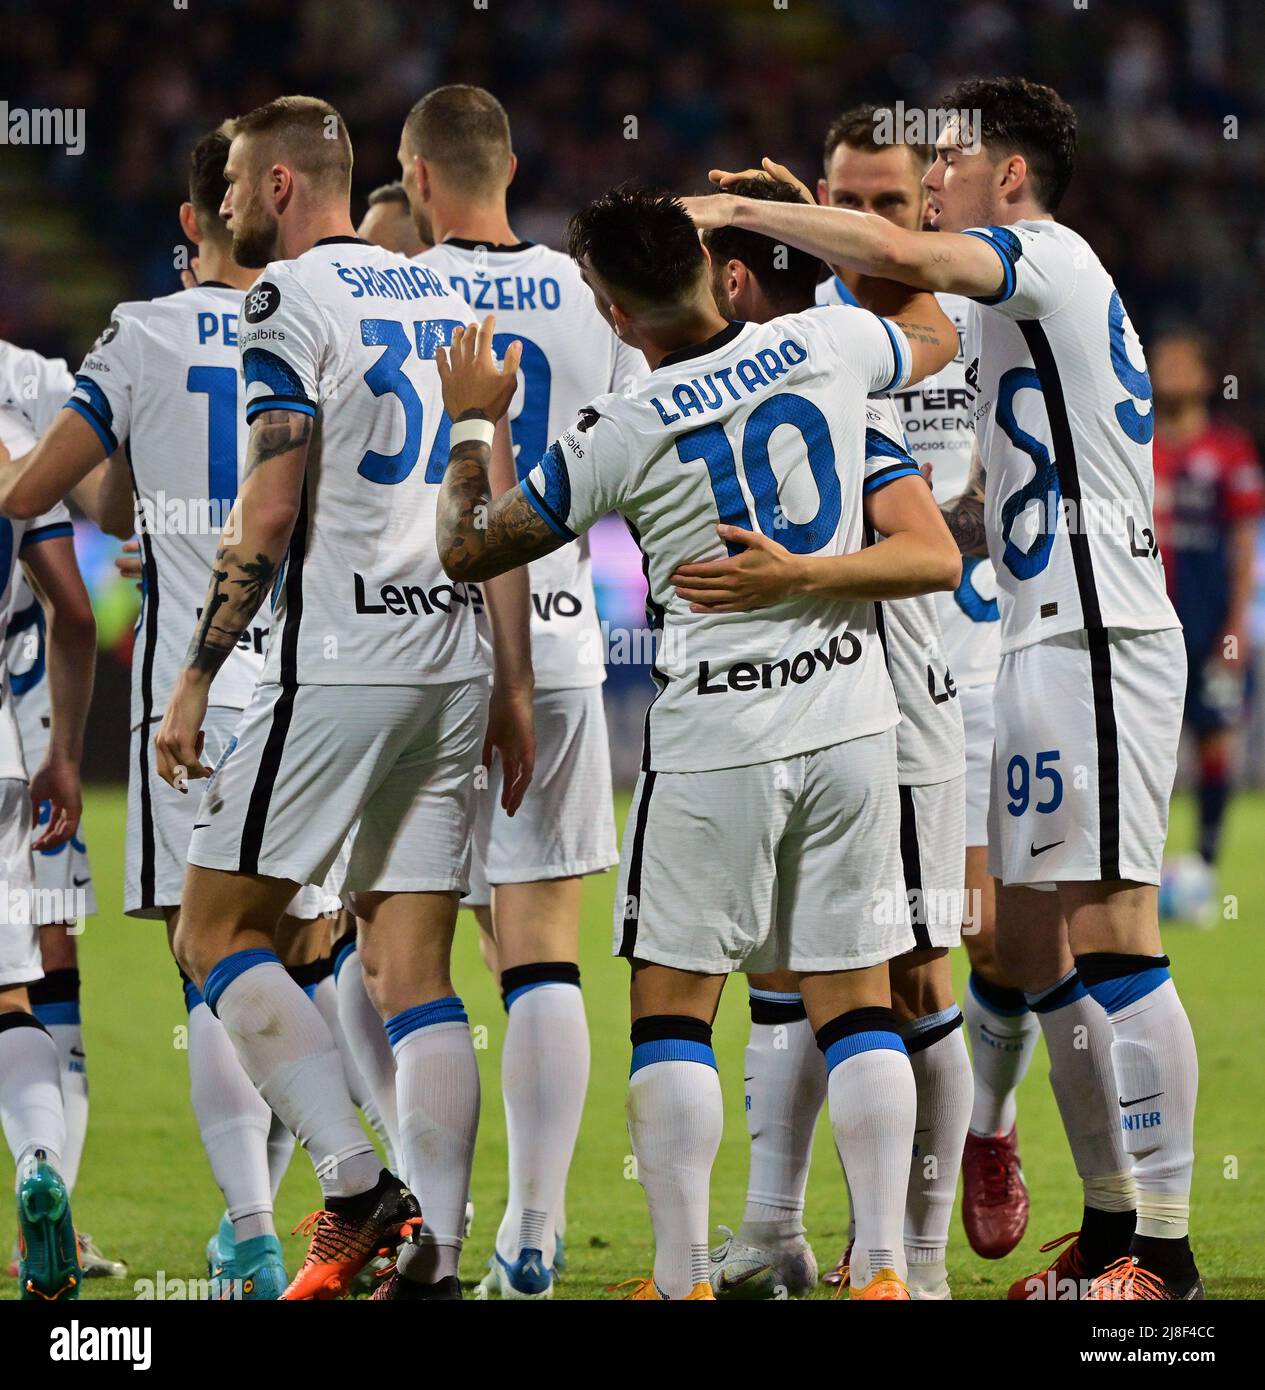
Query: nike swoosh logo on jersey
x,y
1125,1104
1054,844
79,882
201,825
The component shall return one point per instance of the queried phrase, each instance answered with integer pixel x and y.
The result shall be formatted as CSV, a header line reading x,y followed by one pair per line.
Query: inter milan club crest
x,y
262,302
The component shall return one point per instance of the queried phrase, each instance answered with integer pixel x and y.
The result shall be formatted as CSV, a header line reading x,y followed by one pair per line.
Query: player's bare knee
x,y
921,983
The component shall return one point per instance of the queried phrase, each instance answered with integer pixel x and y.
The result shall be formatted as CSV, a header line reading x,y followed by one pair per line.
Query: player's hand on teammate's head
x,y
511,734
763,573
58,784
710,210
128,563
769,169
178,742
471,377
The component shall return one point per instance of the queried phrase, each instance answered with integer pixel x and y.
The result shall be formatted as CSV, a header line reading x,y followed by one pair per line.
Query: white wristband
x,y
465,430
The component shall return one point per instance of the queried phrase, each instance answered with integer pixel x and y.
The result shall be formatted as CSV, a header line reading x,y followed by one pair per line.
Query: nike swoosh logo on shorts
x,y
1054,844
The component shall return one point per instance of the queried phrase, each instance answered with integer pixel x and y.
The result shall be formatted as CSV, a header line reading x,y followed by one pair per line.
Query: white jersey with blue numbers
x,y
35,386
162,382
1064,418
834,291
15,538
762,426
939,429
347,333
929,741
570,355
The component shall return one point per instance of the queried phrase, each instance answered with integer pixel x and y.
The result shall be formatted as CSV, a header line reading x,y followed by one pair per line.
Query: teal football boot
x,y
48,1254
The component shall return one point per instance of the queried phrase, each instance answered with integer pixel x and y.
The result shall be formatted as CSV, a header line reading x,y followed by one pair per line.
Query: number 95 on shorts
x,y
1085,755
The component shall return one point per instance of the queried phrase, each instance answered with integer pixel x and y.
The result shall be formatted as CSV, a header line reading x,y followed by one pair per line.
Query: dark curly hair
x,y
1021,117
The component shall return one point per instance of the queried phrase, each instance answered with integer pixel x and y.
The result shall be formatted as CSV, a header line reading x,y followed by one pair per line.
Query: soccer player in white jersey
x,y
371,711
1092,677
754,279
37,387
159,392
763,833
527,873
32,1107
866,175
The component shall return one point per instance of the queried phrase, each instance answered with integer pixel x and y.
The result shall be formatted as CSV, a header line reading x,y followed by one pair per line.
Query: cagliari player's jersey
x,y
35,386
1064,418
162,381
570,355
929,741
347,333
15,538
762,426
936,417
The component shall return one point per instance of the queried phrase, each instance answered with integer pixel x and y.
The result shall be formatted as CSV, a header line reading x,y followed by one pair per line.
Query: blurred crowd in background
x,y
1170,185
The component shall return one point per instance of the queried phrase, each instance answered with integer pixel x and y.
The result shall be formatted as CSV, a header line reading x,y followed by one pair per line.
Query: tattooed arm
x,y
965,514
251,548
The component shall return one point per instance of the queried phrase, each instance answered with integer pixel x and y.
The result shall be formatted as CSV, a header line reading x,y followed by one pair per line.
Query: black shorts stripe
x,y
1091,609
911,864
654,616
632,899
256,821
149,568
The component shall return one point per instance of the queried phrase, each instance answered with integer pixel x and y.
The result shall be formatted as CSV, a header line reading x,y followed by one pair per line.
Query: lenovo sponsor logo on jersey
x,y
842,650
748,375
253,639
399,599
556,605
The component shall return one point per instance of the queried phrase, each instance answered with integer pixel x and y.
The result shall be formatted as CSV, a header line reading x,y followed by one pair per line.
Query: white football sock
x,y
786,1089
288,1053
280,1151
946,1089
437,1100
55,1002
675,1121
326,999
1078,1040
1157,1078
873,1105
233,1120
1002,1045
368,1046
30,1090
544,1077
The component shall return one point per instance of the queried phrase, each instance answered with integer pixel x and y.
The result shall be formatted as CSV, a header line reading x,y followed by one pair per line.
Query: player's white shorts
x,y
160,824
566,825
19,934
1085,757
63,880
793,864
309,763
977,725
933,857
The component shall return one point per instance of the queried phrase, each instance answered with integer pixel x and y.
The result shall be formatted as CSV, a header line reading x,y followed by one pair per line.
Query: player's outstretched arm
x,y
36,482
942,262
251,548
964,516
916,556
71,649
105,496
478,535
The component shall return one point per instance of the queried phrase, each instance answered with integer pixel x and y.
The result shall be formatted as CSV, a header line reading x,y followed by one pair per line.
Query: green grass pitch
x,y
146,1193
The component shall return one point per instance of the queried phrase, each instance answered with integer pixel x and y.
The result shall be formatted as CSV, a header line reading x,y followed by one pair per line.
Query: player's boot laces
x,y
1068,1264
1126,1279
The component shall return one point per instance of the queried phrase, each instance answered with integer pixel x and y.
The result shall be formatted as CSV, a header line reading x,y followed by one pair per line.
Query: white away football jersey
x,y
834,291
939,429
36,387
763,426
162,381
15,537
929,740
570,355
1064,416
347,333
